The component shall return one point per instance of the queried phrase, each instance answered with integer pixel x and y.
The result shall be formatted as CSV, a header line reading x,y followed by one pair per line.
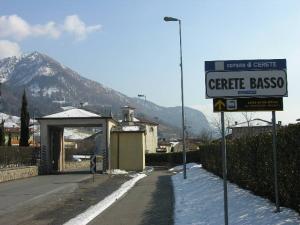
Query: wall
x,y
110,124
151,138
18,173
127,151
77,165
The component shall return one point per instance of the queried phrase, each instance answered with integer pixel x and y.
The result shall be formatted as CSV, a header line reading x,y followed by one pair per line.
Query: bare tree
x,y
206,136
248,116
216,123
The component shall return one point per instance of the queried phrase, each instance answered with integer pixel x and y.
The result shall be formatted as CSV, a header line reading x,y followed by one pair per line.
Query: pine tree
x,y
2,133
24,135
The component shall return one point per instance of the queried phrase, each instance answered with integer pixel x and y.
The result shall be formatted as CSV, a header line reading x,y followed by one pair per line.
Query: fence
x,y
15,156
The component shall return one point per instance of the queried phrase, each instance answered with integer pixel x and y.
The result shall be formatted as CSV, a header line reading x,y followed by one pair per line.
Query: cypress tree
x,y
2,134
24,135
9,139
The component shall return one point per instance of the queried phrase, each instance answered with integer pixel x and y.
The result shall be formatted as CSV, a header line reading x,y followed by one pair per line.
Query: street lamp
x,y
142,96
171,19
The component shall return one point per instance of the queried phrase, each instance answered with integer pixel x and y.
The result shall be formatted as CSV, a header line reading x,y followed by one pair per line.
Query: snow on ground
x,y
93,211
75,134
117,171
199,201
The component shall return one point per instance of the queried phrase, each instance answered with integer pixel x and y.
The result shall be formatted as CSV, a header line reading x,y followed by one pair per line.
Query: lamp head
x,y
167,19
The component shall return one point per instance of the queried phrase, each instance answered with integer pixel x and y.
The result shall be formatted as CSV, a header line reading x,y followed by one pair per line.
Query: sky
x,y
127,46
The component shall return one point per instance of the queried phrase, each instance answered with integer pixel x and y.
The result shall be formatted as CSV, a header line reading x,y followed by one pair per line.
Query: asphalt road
x,y
149,202
54,199
33,190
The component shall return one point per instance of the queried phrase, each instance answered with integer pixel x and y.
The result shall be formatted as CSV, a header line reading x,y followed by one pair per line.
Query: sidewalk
x,y
149,202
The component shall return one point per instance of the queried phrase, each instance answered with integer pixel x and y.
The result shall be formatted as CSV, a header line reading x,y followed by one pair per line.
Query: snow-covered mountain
x,y
50,85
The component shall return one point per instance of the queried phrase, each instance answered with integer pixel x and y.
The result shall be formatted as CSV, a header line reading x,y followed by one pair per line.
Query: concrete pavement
x,y
149,202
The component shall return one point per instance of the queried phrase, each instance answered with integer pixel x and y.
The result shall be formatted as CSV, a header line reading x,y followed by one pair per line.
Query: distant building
x,y
164,147
14,131
150,128
250,128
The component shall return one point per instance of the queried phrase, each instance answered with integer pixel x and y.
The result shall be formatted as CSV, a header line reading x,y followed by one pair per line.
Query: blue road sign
x,y
241,65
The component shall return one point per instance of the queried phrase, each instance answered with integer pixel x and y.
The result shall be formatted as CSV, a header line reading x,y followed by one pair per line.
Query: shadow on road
x,y
160,210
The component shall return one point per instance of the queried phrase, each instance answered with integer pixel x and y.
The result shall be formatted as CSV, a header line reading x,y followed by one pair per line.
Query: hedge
x,y
171,159
250,164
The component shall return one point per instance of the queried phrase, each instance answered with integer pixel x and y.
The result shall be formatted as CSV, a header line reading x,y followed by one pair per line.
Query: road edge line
x,y
94,210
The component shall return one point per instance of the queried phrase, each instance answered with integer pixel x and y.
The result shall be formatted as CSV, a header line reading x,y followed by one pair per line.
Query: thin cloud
x,y
8,49
78,28
16,28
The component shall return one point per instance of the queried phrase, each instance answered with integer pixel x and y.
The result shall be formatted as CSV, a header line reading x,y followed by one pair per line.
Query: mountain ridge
x,y
50,85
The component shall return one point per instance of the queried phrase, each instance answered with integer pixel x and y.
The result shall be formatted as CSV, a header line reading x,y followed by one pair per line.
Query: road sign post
x,y
224,164
275,161
93,165
246,85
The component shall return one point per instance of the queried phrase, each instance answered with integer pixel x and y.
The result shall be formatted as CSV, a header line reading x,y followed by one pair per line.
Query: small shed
x,y
127,148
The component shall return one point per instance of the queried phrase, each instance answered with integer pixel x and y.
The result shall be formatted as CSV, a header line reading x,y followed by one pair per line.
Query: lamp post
x,y
142,96
171,19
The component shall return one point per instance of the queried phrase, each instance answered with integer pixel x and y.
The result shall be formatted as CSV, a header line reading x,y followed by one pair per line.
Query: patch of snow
x,y
148,169
73,113
60,102
9,118
135,119
6,68
63,66
188,167
174,143
46,71
199,200
64,107
35,90
130,128
10,124
95,210
74,134
49,91
117,171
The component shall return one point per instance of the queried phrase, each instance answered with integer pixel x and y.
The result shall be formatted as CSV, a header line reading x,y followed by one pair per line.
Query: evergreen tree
x,y
2,134
24,135
9,139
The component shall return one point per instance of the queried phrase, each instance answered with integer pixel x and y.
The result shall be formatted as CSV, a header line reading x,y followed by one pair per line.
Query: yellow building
x,y
127,148
131,139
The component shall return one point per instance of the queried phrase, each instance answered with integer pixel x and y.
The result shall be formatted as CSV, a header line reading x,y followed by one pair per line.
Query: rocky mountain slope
x,y
50,85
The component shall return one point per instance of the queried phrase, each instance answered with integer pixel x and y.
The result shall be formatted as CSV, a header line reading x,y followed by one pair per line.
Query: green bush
x,y
171,159
250,164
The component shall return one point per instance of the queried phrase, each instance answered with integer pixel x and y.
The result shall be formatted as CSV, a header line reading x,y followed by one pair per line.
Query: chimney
x,y
128,115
